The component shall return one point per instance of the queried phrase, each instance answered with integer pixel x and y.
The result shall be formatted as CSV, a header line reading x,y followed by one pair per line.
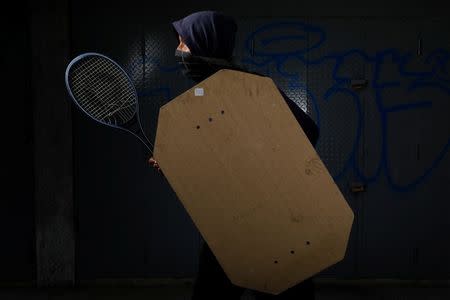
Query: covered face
x,y
208,34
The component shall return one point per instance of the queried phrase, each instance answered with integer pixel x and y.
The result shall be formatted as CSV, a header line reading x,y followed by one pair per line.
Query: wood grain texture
x,y
252,182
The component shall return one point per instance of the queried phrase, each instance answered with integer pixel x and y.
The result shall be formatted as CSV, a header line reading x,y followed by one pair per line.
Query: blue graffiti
x,y
263,54
436,76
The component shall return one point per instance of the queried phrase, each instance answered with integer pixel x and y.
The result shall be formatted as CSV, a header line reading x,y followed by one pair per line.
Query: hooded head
x,y
207,34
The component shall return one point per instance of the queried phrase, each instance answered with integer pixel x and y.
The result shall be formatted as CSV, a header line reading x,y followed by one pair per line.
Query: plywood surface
x,y
252,182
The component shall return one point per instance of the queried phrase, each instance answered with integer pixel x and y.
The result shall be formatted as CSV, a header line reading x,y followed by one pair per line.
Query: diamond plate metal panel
x,y
332,65
374,135
406,134
270,48
168,254
162,75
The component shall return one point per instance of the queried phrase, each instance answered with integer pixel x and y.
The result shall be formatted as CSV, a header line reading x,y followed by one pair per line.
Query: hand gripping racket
x,y
102,90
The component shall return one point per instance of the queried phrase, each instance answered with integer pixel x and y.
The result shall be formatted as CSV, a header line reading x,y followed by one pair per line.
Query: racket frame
x,y
138,131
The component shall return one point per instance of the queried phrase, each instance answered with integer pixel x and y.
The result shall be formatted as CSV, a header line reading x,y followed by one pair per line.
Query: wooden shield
x,y
252,182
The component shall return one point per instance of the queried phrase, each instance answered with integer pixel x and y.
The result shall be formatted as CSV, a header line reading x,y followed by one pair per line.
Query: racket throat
x,y
134,127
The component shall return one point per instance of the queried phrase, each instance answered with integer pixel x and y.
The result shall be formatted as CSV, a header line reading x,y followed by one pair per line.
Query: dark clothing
x,y
308,125
213,283
210,37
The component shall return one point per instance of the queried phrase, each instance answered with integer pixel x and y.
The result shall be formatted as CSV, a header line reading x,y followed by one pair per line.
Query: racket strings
x,y
103,91
103,87
118,87
100,107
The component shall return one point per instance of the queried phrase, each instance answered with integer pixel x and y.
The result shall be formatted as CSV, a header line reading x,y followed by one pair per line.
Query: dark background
x,y
80,203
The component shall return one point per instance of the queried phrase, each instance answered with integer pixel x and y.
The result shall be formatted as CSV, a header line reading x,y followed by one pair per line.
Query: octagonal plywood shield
x,y
252,182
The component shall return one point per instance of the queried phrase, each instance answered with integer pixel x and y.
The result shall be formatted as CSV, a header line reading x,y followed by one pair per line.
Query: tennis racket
x,y
101,89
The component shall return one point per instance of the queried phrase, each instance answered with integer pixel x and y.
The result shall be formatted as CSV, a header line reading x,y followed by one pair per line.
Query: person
x,y
206,43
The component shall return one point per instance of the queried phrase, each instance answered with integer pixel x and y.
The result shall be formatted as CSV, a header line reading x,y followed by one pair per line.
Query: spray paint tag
x,y
199,92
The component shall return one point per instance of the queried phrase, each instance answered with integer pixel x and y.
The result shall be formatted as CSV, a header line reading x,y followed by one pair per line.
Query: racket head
x,y
102,89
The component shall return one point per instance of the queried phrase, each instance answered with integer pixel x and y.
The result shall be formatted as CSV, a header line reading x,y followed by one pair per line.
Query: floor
x,y
182,292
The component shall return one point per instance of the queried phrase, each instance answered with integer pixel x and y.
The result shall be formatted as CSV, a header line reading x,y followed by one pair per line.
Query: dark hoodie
x,y
210,36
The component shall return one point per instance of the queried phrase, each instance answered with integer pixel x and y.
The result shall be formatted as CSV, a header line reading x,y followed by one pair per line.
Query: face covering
x,y
194,67
182,54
